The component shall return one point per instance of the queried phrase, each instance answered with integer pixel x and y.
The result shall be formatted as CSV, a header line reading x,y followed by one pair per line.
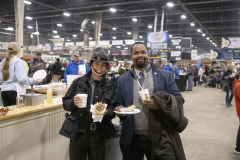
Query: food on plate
x,y
3,111
99,108
128,109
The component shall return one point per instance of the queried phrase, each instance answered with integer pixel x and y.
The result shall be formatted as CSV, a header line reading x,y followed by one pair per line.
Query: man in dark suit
x,y
147,133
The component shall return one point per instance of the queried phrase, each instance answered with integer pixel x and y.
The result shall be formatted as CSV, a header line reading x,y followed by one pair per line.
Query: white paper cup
x,y
144,94
84,100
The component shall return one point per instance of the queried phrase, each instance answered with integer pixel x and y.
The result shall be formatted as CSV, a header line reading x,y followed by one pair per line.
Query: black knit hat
x,y
100,54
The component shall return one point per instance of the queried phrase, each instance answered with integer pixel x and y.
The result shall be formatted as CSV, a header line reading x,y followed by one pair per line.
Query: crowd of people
x,y
154,131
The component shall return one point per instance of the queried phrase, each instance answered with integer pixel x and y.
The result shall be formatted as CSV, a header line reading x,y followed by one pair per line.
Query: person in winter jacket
x,y
56,70
166,66
90,139
236,85
73,67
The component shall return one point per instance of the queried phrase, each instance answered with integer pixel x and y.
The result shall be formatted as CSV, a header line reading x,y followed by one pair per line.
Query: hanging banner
x,y
33,48
80,43
153,37
221,54
46,48
58,40
236,54
129,42
233,42
175,43
104,43
117,42
176,53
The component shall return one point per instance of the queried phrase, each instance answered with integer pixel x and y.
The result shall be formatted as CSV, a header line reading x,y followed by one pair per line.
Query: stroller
x,y
211,81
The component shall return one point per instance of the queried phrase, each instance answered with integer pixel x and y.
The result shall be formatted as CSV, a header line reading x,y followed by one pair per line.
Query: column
x,y
86,37
97,27
135,33
19,17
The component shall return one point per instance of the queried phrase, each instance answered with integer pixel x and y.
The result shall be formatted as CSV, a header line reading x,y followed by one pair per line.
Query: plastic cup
x,y
84,100
144,94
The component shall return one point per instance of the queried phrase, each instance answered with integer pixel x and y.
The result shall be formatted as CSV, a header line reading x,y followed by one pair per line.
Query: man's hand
x,y
151,104
118,110
77,101
39,64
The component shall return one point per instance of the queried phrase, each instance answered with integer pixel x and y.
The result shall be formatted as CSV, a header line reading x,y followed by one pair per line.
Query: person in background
x,y
26,65
236,85
64,64
13,71
219,75
190,75
201,74
177,71
91,136
152,131
124,68
72,68
166,66
156,63
196,77
37,63
228,78
56,70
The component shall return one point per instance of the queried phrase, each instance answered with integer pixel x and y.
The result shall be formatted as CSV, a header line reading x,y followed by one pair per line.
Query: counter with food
x,y
32,132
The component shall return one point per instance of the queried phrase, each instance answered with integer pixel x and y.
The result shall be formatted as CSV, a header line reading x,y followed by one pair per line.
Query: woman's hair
x,y
13,49
229,67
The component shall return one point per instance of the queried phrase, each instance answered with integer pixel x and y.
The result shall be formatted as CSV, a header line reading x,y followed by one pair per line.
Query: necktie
x,y
96,95
141,78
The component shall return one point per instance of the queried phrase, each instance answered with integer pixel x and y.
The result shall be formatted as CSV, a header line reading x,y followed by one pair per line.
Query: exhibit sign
x,y
175,43
177,54
231,42
194,54
221,54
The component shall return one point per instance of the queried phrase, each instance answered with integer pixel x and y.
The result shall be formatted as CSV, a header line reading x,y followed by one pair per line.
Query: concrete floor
x,y
211,132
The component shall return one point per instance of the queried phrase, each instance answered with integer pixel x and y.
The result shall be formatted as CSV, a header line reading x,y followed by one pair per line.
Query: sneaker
x,y
227,105
237,152
190,91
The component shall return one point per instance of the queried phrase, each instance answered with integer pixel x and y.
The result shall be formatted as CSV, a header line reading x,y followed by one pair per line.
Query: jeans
x,y
238,140
190,82
229,98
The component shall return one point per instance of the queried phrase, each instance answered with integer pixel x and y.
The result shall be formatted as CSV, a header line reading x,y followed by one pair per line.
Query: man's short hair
x,y
137,43
39,54
164,59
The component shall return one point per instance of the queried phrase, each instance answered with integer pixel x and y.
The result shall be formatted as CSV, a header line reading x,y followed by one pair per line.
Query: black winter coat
x,y
108,95
56,68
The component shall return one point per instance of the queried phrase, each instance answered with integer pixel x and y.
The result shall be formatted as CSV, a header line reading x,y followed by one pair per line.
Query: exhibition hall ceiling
x,y
213,18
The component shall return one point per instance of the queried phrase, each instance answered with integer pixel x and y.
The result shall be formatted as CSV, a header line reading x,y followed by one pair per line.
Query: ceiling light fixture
x,y
192,24
195,47
125,47
140,36
192,45
54,31
100,34
36,33
203,35
114,28
170,35
199,30
149,26
210,40
134,19
90,38
66,14
112,9
93,22
114,37
30,27
129,33
207,38
74,35
60,25
183,16
27,2
9,29
27,17
68,40
57,36
170,4
81,30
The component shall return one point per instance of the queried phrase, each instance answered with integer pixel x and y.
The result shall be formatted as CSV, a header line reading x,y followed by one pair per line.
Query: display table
x,y
31,133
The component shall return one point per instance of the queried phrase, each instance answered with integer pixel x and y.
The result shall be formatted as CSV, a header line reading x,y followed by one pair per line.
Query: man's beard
x,y
141,65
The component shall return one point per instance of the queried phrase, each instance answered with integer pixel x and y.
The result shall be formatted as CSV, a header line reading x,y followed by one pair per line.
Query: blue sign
x,y
153,37
236,54
223,54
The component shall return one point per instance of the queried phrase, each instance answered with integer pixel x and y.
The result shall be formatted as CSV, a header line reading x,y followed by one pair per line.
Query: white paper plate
x,y
134,111
40,74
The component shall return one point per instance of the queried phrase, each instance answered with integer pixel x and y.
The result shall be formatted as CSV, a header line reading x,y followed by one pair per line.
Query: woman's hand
x,y
77,100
